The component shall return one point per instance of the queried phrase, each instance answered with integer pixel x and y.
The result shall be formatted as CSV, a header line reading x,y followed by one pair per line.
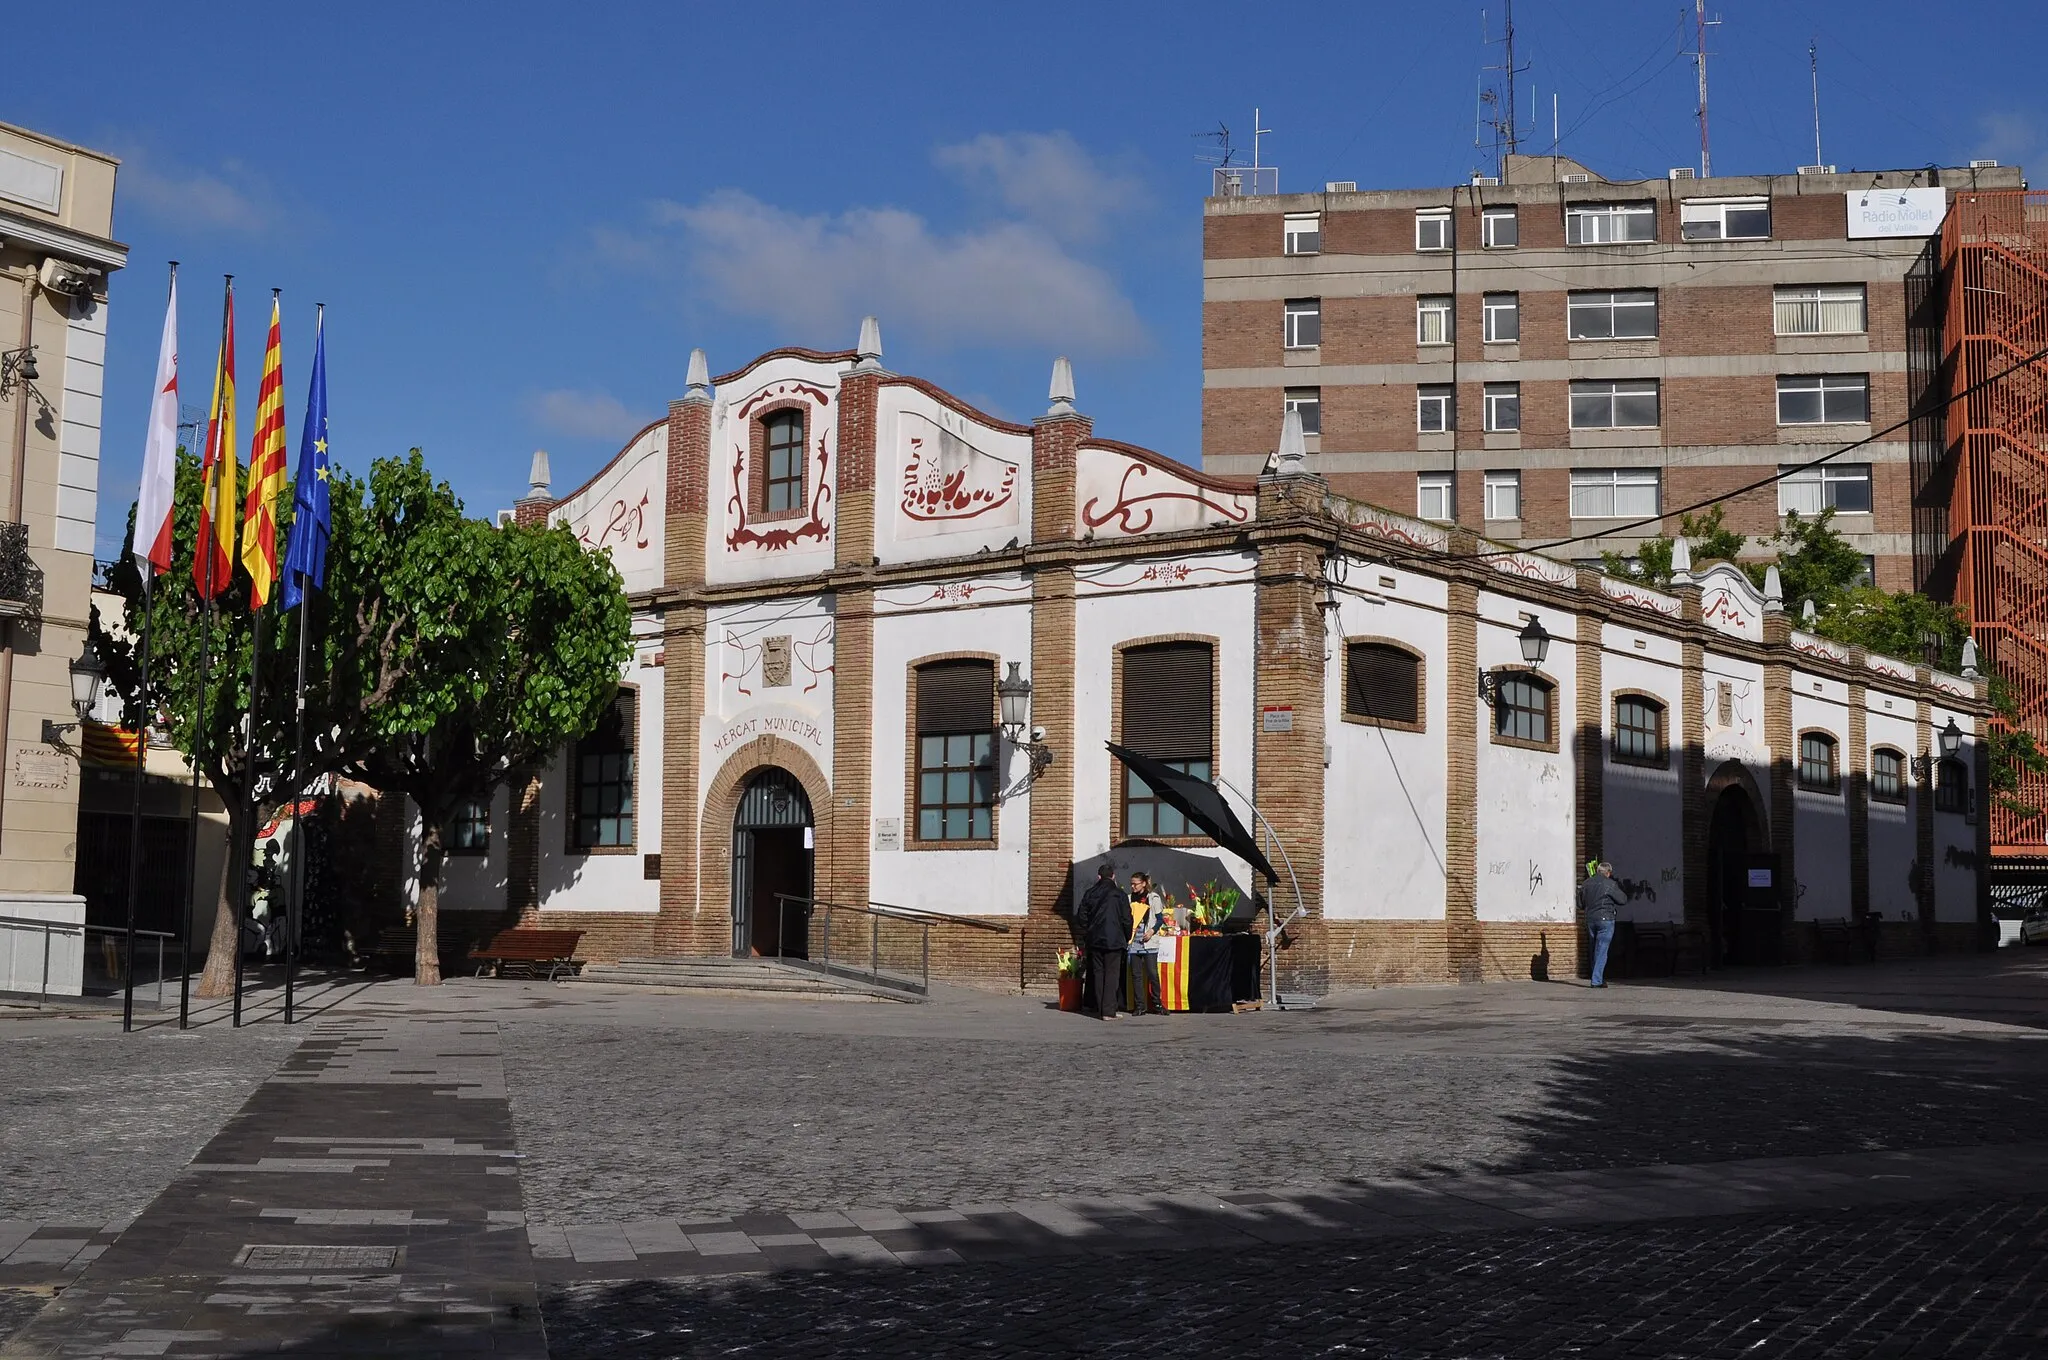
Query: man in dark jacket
x,y
1600,902
1105,929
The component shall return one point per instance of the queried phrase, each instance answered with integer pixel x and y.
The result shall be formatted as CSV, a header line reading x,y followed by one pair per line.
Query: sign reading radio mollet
x,y
1895,212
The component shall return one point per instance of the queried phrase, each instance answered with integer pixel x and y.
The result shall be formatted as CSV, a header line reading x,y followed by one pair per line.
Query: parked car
x,y
2034,925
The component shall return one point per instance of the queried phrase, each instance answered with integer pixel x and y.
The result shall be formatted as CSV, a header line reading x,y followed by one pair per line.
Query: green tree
x,y
1710,539
180,625
459,652
1814,563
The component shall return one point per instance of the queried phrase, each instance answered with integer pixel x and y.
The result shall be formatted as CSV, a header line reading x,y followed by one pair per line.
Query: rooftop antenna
x,y
1701,23
1257,132
1507,136
1813,65
1224,152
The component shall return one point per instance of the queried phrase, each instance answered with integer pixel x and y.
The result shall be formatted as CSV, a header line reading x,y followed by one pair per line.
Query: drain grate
x,y
316,1258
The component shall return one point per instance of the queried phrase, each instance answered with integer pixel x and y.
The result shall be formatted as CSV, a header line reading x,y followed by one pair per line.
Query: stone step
x,y
737,977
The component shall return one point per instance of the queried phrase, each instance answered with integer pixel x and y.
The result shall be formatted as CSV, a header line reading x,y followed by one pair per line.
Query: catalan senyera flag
x,y
213,556
266,471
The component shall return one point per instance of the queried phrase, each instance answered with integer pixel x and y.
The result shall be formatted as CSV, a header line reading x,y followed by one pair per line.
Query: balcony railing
x,y
21,580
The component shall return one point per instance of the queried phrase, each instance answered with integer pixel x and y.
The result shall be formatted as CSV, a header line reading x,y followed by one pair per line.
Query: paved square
x,y
1847,1161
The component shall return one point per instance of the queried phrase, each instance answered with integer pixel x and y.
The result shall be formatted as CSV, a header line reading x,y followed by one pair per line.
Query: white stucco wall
x,y
945,484
739,707
1384,791
734,551
1526,797
623,509
1893,836
1820,829
1642,821
1741,739
968,882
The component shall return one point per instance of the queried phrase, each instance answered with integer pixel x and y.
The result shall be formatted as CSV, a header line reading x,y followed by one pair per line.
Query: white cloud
x,y
2010,136
584,414
1004,284
228,200
1045,177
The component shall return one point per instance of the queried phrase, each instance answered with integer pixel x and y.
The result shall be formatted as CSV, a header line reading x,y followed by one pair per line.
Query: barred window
x,y
1887,776
1818,771
1382,683
1639,730
1522,710
602,816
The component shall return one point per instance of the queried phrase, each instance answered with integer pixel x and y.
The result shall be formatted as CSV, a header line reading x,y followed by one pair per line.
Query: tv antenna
x,y
191,418
1813,65
1501,98
1700,24
1224,152
1232,177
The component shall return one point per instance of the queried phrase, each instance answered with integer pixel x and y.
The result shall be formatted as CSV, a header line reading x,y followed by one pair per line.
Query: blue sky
x,y
522,223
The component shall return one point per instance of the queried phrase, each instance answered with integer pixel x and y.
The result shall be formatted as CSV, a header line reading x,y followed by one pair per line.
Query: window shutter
x,y
1384,683
1168,699
956,696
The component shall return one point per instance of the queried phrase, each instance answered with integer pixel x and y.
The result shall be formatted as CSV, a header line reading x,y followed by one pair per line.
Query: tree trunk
x,y
426,919
219,978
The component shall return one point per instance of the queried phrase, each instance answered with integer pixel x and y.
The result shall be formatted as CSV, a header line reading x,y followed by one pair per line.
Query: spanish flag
x,y
266,471
213,556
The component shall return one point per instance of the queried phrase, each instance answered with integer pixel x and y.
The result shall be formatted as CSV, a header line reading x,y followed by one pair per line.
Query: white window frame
x,y
1602,224
1504,495
1435,322
1292,314
1811,490
1495,398
1613,389
1706,219
1442,399
1302,234
1823,385
1489,233
1613,304
1438,235
1616,493
1308,401
1495,307
1831,307
1436,496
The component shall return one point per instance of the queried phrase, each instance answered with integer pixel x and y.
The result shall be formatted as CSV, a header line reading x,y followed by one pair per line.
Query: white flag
x,y
160,453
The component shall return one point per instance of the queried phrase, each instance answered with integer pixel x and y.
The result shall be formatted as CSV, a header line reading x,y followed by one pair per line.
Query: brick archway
x,y
721,802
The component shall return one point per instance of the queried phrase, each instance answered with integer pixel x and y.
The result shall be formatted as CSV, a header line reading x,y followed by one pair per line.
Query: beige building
x,y
1558,355
56,254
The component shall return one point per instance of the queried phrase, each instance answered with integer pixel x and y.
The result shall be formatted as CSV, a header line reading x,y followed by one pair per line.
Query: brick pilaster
x,y
843,864
853,518
1778,735
1054,442
1923,810
1461,782
1053,665
689,477
531,510
682,927
1859,797
1288,766
1589,742
1694,814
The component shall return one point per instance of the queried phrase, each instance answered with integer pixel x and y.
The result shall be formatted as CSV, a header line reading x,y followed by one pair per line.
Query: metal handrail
x,y
83,930
875,913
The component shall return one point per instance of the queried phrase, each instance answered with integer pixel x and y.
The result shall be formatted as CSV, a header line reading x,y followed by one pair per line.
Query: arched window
x,y
782,489
1818,770
1523,710
1952,786
1383,685
1887,776
1639,730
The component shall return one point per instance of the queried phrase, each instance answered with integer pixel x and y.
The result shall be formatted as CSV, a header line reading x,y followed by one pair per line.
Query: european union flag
x,y
305,556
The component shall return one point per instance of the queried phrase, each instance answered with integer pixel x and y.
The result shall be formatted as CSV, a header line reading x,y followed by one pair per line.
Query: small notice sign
x,y
1276,719
35,768
1759,878
888,833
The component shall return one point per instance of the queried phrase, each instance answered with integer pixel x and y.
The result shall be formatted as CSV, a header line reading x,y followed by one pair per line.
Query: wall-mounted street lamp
x,y
1013,696
1951,739
18,369
1535,646
87,674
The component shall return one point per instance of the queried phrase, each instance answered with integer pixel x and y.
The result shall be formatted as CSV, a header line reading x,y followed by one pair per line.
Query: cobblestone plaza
x,y
1833,1162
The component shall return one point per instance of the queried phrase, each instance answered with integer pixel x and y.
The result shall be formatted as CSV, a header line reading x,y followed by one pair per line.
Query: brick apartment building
x,y
1559,354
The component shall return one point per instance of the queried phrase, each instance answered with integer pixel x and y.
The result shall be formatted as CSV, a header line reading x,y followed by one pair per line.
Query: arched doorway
x,y
1741,873
771,854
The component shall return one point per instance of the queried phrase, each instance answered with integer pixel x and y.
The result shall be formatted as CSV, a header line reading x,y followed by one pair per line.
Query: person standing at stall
x,y
1148,918
1105,921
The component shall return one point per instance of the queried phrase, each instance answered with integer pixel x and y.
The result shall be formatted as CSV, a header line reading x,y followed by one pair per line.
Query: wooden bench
x,y
529,950
395,948
1835,941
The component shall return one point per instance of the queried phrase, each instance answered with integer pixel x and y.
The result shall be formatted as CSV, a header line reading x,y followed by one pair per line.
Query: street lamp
x,y
1013,696
87,674
1535,642
1951,739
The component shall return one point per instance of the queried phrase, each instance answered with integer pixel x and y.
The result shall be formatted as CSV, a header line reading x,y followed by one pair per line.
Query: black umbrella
x,y
1200,802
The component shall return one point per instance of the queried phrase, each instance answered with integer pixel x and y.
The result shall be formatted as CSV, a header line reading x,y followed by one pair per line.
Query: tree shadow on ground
x,y
2006,986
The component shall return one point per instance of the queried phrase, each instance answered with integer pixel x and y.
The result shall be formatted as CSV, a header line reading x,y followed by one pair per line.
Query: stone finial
x,y
699,377
868,352
539,475
1774,590
1292,458
1681,561
1806,613
1062,390
1970,658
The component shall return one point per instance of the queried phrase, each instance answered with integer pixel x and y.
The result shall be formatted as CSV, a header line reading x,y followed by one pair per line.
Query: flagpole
x,y
199,545
305,518
248,802
293,906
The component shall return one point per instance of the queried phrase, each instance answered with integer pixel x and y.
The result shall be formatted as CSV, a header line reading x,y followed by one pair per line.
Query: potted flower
x,y
1213,905
1070,979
